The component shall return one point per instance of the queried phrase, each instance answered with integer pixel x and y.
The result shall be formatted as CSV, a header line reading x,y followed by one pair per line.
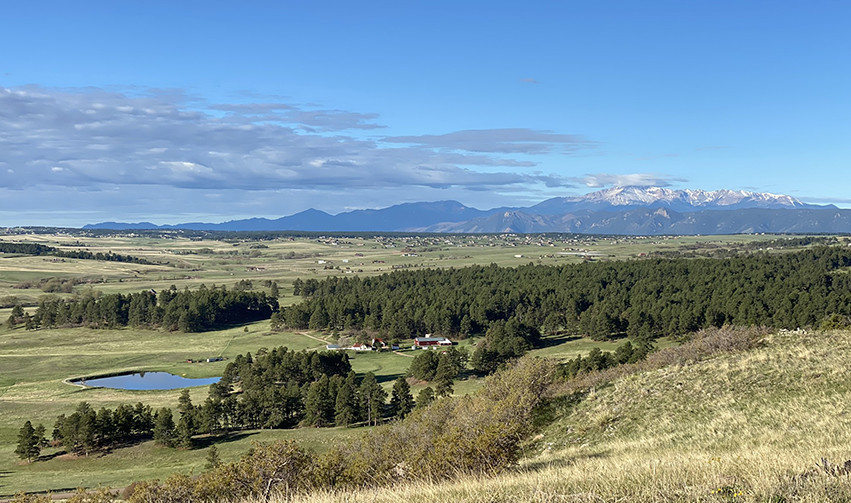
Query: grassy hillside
x,y
741,426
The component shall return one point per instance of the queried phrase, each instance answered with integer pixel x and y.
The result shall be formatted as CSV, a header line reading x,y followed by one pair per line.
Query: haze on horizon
x,y
208,111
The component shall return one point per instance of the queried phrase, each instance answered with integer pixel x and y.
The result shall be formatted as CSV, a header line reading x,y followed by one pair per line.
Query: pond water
x,y
145,381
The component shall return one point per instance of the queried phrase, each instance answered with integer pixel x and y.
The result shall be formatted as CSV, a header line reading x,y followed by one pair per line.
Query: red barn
x,y
430,342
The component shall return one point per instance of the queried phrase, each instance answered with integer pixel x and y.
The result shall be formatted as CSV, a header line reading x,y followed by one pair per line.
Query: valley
x,y
35,363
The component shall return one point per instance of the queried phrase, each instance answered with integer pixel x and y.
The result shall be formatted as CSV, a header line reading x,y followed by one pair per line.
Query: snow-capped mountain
x,y
618,210
620,198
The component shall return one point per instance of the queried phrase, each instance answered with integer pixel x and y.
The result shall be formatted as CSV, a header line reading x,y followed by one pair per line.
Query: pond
x,y
145,381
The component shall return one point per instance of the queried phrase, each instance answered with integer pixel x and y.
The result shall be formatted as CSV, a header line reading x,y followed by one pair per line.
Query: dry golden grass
x,y
742,427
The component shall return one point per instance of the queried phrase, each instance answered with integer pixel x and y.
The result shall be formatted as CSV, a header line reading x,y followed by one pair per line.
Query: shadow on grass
x,y
389,377
48,457
557,339
535,466
226,438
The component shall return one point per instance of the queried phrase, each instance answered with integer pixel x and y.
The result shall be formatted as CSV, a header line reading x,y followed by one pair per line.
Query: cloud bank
x,y
80,138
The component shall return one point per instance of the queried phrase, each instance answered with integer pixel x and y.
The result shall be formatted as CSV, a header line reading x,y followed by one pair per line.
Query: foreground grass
x,y
738,427
145,461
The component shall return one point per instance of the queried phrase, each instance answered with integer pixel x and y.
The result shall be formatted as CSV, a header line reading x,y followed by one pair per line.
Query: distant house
x,y
379,343
361,347
431,342
333,347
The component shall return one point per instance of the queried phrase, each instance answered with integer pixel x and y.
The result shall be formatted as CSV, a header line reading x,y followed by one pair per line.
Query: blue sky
x,y
181,111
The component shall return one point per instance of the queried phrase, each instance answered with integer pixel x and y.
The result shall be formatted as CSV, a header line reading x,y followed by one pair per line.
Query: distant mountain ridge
x,y
398,217
617,210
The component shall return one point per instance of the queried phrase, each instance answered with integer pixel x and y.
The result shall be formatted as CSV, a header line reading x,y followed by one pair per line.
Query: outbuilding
x,y
431,342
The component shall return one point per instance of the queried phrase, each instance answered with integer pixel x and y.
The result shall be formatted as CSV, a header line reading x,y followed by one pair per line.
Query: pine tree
x,y
29,444
188,416
443,376
184,432
345,408
40,432
164,427
372,398
213,460
425,397
318,403
86,427
401,400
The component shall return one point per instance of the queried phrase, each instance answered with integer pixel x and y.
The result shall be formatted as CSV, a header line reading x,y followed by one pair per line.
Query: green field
x,y
35,364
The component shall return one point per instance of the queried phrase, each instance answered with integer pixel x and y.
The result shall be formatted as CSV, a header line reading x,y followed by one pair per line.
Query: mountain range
x,y
617,210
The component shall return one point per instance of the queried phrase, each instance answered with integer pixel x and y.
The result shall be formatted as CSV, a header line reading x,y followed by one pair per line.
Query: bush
x,y
279,469
472,434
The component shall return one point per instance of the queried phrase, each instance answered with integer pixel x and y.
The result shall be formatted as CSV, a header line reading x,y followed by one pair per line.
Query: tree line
x,y
275,388
39,249
280,388
184,310
642,299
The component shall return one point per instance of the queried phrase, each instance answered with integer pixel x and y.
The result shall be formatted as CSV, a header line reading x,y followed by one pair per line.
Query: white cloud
x,y
597,180
502,141
156,139
157,142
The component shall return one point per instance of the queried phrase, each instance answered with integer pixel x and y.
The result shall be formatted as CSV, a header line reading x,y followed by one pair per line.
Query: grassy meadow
x,y
35,364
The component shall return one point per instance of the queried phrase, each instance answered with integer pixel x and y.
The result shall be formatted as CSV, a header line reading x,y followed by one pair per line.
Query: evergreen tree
x,y
184,431
213,460
86,427
188,412
16,317
318,406
187,424
425,397
345,408
40,434
372,397
424,365
401,400
29,444
444,376
164,433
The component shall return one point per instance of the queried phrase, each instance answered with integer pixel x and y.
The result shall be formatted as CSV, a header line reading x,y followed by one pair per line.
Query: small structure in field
x,y
361,347
333,347
431,342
